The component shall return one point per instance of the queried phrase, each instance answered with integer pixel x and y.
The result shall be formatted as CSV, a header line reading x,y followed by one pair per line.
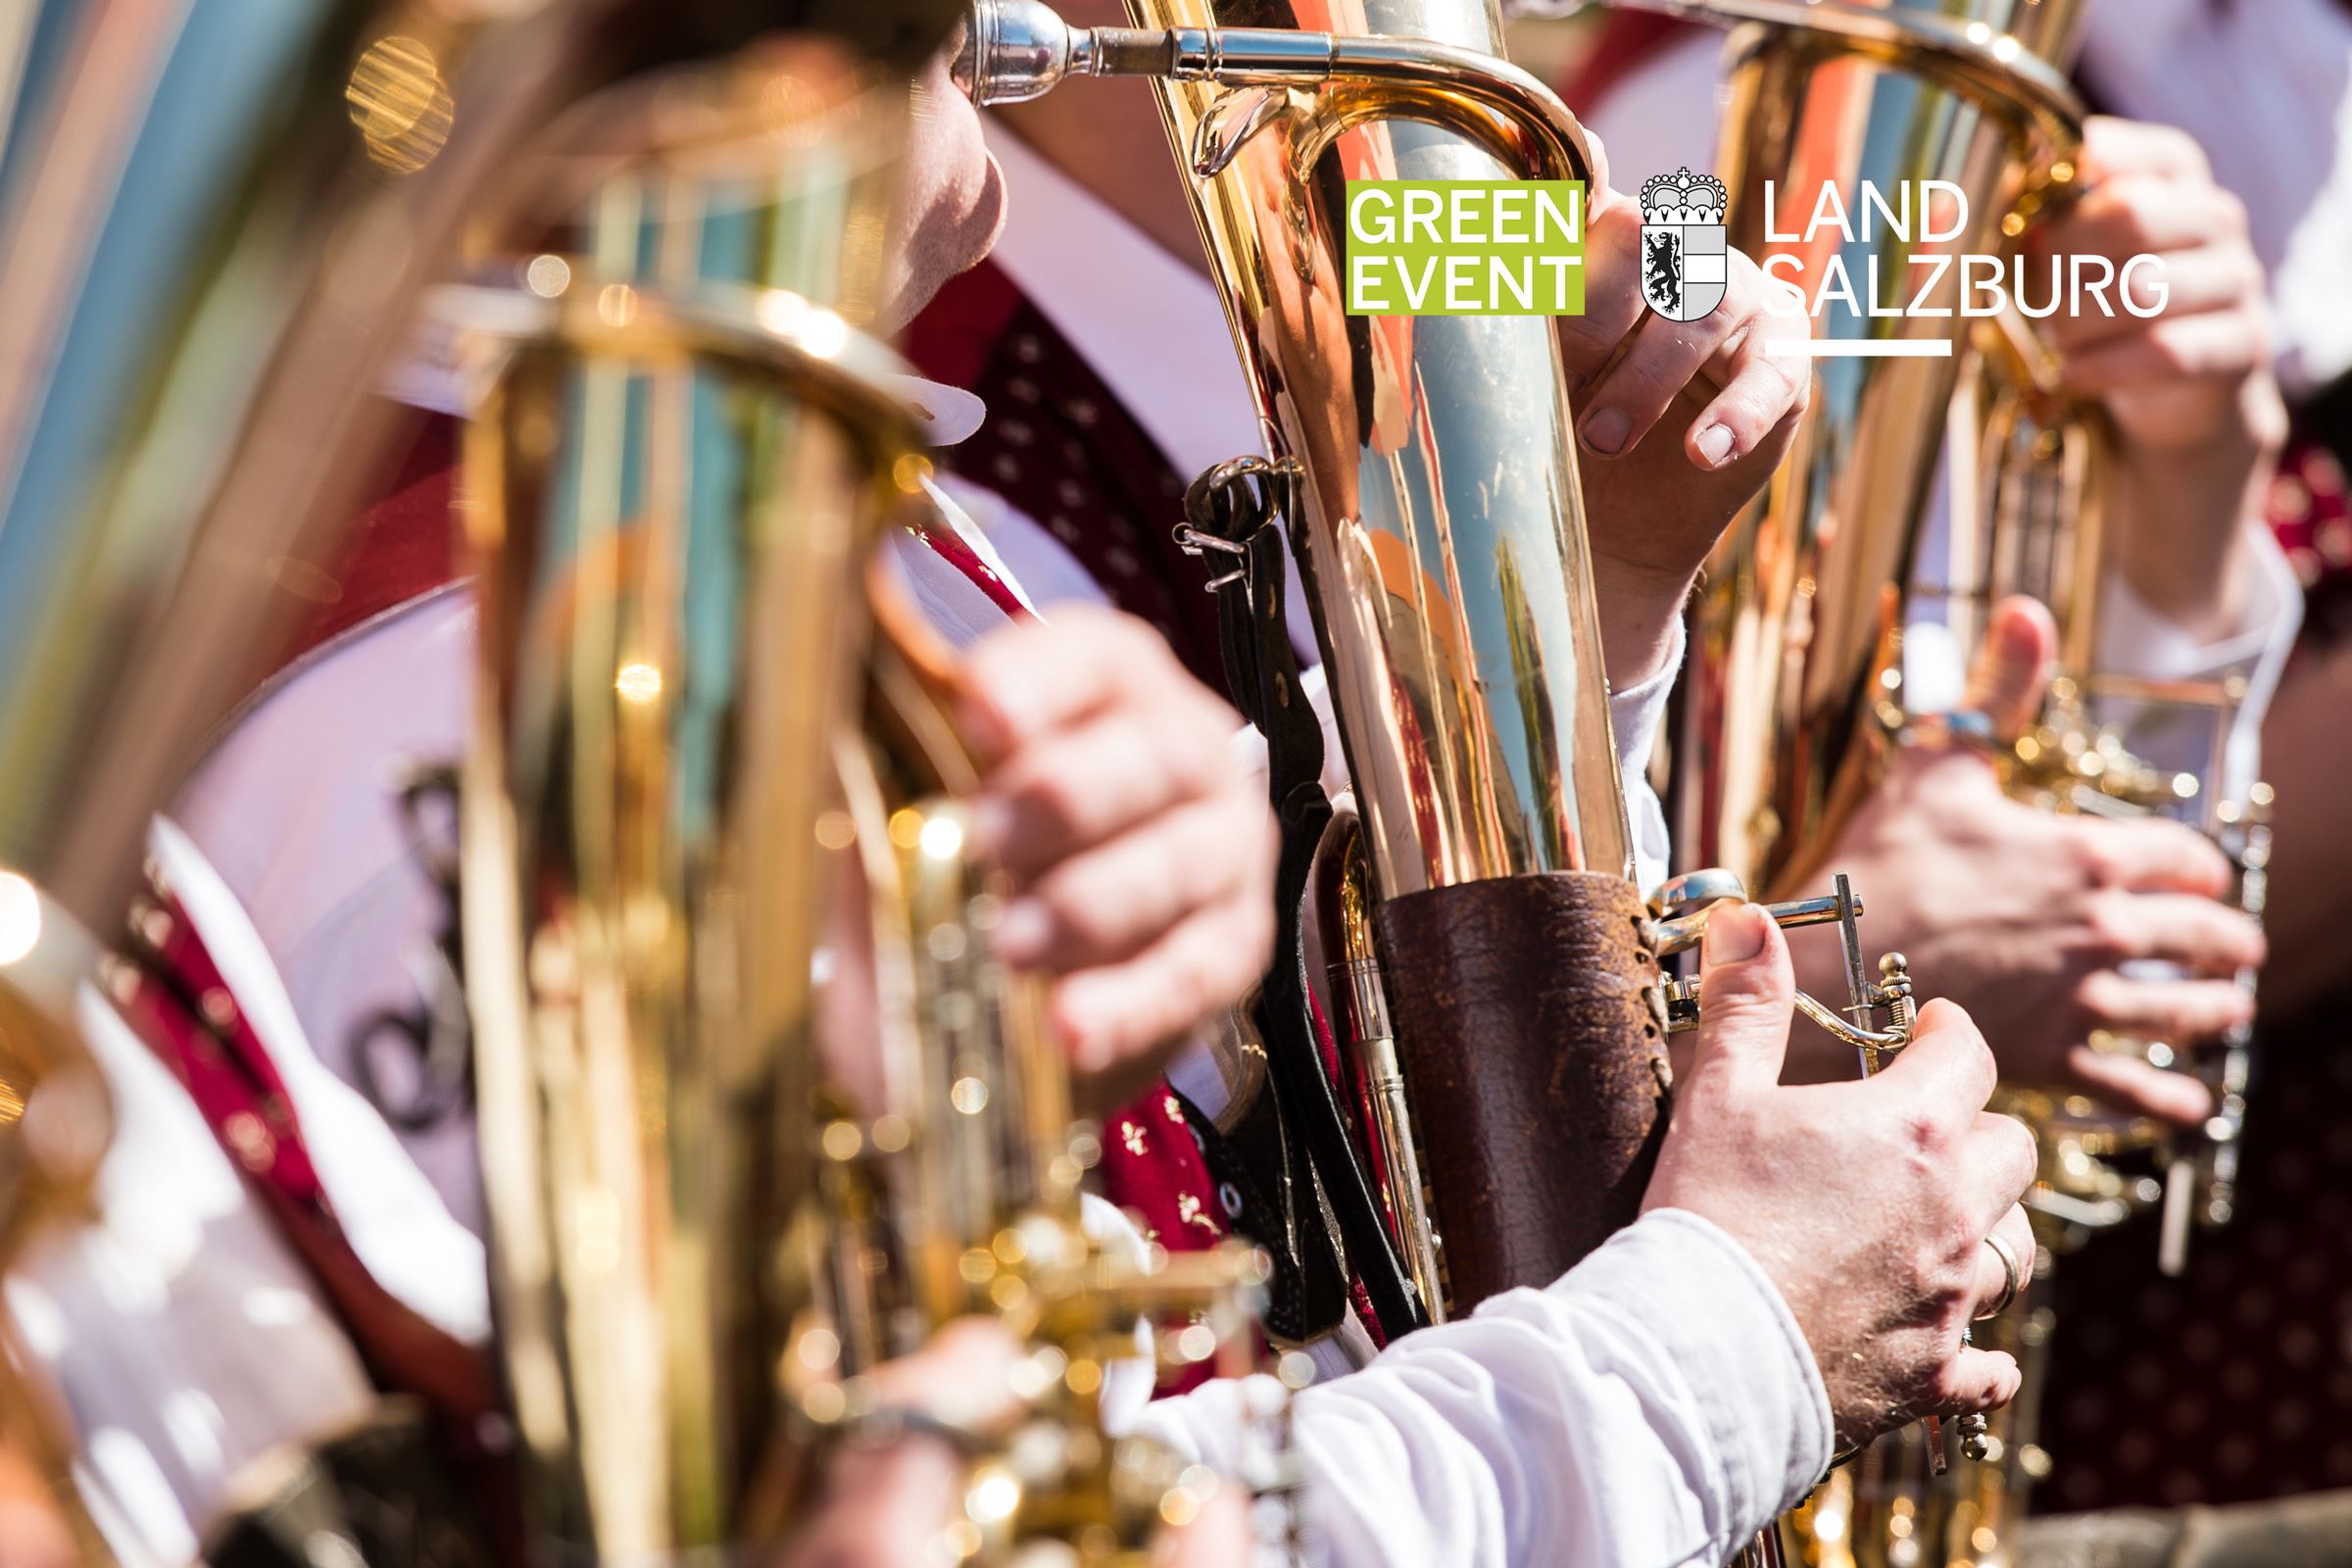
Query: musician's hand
x,y
2170,378
2189,388
1680,424
1868,1202
2026,918
1144,857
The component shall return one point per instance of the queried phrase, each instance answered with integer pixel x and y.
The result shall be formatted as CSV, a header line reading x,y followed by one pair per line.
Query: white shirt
x,y
1654,1408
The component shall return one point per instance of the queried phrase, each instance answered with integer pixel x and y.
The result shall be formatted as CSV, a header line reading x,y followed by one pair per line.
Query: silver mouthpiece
x,y
1014,50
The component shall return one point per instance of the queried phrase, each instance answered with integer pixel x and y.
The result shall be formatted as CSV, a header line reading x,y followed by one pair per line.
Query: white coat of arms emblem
x,y
1684,263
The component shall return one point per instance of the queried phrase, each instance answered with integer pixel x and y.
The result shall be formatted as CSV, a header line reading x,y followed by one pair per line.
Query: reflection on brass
x,y
1795,690
662,605
1439,523
1794,677
1444,541
171,443
1443,536
720,1209
665,494
402,106
1364,1026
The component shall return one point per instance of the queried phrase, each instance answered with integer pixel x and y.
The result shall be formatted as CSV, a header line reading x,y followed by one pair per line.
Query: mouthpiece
x,y
1014,50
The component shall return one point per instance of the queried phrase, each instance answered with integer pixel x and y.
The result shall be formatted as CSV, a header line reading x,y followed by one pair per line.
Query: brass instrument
x,y
645,897
1439,524
713,1220
200,239
1795,687
1798,672
670,486
1439,519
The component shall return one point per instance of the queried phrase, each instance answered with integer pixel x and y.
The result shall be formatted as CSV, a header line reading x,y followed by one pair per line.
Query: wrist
x,y
2179,521
1638,606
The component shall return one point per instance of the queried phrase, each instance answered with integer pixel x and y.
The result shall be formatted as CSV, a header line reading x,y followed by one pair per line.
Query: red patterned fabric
x,y
1059,445
2309,510
173,996
2232,1383
170,991
1152,1168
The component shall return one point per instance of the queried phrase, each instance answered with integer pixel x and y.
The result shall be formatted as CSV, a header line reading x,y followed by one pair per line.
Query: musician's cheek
x,y
951,201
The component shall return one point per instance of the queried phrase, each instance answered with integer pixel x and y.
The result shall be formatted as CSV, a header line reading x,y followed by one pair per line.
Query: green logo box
x,y
1465,247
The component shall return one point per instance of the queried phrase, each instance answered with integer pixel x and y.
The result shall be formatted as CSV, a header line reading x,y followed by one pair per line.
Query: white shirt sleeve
x,y
1635,715
1653,1408
2134,639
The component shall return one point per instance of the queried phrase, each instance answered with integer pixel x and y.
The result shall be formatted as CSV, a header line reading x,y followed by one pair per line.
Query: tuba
x,y
1797,676
1423,472
1496,970
717,1214
1797,686
682,453
212,230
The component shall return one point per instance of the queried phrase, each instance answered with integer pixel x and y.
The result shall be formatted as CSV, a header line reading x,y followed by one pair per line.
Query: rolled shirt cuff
x,y
1751,1378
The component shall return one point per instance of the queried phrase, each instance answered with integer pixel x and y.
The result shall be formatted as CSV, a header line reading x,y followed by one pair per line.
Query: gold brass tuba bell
x,y
208,270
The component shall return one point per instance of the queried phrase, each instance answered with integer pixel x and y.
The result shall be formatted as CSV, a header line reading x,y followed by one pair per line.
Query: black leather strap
x,y
1268,1195
1242,507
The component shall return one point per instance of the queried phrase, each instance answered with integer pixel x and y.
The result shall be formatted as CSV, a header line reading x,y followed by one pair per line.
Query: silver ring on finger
x,y
2013,1275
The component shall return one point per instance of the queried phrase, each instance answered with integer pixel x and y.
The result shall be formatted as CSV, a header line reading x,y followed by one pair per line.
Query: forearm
x,y
1653,1408
2180,519
1641,620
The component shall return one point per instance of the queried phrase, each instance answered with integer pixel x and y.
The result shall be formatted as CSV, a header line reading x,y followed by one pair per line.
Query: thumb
x,y
2012,671
1747,995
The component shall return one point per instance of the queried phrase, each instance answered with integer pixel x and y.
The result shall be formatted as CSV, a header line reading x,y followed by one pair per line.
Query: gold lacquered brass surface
x,y
1795,653
1795,673
718,1204
668,497
201,266
1444,536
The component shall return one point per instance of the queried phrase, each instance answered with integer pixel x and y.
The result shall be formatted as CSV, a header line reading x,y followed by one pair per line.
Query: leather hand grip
x,y
1528,1051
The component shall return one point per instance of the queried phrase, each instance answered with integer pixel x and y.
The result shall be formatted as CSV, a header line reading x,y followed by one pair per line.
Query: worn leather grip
x,y
1528,1050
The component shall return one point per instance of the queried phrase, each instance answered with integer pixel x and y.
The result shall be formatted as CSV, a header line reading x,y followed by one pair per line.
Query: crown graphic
x,y
1683,197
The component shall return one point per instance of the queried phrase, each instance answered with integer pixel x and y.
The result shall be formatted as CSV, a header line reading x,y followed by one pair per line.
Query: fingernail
x,y
1604,430
1734,934
1715,445
1022,932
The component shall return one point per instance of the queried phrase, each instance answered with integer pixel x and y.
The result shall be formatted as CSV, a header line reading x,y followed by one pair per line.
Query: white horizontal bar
x,y
1862,347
